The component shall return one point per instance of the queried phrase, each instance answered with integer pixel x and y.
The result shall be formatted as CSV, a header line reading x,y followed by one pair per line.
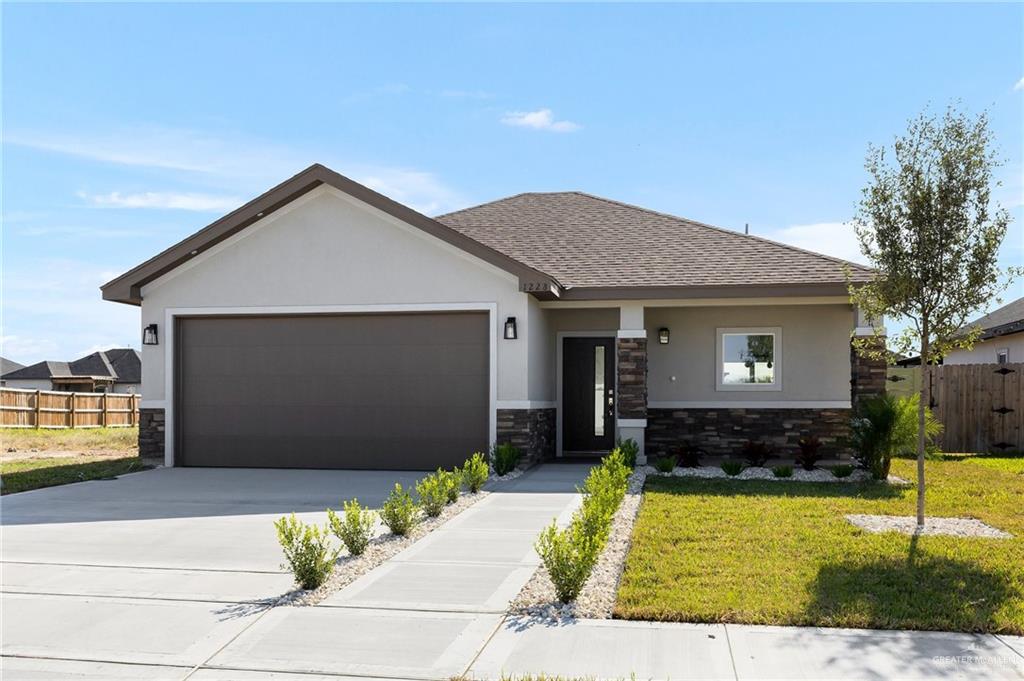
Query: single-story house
x,y
118,370
323,324
1001,340
7,366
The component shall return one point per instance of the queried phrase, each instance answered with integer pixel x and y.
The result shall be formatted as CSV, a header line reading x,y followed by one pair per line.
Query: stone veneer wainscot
x,y
531,430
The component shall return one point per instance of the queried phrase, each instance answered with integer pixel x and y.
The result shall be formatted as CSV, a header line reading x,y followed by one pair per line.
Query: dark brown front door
x,y
588,394
388,391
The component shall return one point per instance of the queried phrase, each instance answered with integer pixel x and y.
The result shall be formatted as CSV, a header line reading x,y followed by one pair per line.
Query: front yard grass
x,y
80,440
26,474
782,553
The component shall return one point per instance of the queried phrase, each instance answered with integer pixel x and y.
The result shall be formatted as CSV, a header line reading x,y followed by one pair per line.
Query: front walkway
x,y
436,611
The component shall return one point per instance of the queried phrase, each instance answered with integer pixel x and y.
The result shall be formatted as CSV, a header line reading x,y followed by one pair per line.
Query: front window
x,y
749,359
1003,356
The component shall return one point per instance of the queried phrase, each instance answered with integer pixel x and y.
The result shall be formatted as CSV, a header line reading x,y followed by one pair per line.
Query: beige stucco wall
x,y
984,352
327,249
815,352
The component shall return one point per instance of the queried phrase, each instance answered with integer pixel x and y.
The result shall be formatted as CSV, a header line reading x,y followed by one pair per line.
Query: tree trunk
x,y
922,405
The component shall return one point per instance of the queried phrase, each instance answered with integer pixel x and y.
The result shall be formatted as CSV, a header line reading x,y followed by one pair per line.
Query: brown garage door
x,y
388,391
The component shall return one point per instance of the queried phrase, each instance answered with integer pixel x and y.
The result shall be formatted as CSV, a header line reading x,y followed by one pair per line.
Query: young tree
x,y
928,224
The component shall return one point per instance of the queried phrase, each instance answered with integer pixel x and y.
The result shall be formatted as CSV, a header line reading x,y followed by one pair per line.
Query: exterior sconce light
x,y
663,336
510,329
149,336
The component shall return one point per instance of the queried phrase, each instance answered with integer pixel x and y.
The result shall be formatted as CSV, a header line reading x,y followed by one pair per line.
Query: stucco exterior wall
x,y
328,249
815,353
544,343
29,383
984,352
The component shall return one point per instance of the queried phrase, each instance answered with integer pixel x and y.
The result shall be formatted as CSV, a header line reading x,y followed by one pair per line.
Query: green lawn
x,y
782,553
69,439
26,474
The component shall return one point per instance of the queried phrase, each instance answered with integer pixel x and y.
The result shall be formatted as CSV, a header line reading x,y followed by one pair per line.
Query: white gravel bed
x,y
349,568
759,473
956,527
511,475
537,599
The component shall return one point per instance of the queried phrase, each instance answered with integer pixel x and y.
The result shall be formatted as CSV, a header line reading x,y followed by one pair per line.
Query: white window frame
x,y
775,332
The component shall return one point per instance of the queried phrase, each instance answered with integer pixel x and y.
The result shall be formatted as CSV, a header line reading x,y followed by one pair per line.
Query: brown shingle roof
x,y
588,241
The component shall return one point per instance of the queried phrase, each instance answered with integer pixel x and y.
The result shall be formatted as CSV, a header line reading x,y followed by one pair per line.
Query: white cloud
x,y
421,191
166,200
1019,85
34,349
541,119
830,238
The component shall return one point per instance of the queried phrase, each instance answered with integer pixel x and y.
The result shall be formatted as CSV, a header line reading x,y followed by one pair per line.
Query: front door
x,y
588,394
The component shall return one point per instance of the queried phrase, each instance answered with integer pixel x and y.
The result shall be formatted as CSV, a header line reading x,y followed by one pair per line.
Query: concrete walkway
x,y
435,611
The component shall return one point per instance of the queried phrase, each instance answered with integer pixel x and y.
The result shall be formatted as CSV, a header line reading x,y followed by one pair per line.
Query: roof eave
x,y
686,292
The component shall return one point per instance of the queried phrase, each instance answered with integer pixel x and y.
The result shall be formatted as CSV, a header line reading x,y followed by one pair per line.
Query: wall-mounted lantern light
x,y
663,336
510,329
149,336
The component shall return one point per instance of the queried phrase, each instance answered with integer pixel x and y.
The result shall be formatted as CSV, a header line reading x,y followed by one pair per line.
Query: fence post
x,y
135,409
38,396
103,414
72,424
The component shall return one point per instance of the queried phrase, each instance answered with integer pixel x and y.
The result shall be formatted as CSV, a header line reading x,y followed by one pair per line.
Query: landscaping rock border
x,y
537,599
382,547
955,527
759,473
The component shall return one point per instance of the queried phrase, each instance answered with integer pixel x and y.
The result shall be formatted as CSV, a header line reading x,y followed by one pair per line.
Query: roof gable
x,y
122,364
127,287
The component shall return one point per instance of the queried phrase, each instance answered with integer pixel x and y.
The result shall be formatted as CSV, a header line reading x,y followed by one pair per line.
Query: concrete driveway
x,y
161,567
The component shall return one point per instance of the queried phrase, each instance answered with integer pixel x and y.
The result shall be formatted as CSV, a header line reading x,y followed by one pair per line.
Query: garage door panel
x,y
347,391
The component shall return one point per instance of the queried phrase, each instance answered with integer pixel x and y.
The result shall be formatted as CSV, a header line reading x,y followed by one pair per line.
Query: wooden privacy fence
x,y
52,409
981,406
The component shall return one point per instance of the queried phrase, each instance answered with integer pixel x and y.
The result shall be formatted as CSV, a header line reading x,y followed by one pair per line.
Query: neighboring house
x,y
118,370
6,366
1001,340
325,325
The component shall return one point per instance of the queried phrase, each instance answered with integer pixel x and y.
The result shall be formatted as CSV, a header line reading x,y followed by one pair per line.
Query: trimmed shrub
x,y
399,512
355,528
810,453
732,468
452,481
842,470
475,472
782,471
630,450
872,431
569,556
690,455
665,464
602,492
504,458
433,493
757,453
307,551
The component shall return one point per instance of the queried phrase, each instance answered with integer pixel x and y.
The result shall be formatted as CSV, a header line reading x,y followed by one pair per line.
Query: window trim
x,y
1001,352
775,332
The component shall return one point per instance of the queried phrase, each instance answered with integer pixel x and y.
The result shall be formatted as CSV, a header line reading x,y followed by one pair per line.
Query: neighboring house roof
x,y
7,365
124,365
587,241
1001,322
559,245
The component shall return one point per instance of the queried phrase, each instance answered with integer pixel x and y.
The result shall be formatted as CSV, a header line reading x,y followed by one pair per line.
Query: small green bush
x,y
630,450
732,468
452,481
399,512
433,493
504,458
602,492
356,529
307,551
475,472
569,556
810,453
782,471
842,471
665,464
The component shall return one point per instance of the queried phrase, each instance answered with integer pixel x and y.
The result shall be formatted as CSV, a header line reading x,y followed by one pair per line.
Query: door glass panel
x,y
599,390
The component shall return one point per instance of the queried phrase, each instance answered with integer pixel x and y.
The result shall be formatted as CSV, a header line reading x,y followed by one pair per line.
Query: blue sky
x,y
128,127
